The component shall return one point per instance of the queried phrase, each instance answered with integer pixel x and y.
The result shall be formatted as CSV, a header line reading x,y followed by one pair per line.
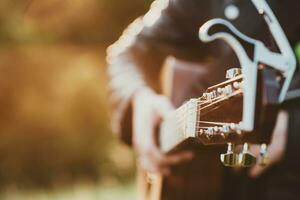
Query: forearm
x,y
130,68
135,60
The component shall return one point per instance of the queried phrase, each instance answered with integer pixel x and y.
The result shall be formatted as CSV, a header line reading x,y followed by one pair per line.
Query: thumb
x,y
165,108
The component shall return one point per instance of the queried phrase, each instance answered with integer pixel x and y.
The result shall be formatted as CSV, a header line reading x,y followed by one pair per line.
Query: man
x,y
171,28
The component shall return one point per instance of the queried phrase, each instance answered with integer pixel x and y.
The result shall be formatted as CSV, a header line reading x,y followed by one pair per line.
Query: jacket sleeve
x,y
135,60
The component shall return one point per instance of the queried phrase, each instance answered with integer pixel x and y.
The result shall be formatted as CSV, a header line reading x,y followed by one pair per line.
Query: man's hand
x,y
276,148
149,109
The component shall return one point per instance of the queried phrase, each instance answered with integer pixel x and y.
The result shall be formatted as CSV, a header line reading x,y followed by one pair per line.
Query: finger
x,y
145,129
157,155
148,165
141,130
152,166
164,111
178,158
255,150
175,159
162,160
166,171
257,170
166,107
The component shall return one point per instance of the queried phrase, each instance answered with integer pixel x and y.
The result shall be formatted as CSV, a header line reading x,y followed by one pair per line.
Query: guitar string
x,y
190,108
197,127
183,136
194,111
185,115
199,104
214,99
181,120
224,97
211,100
187,111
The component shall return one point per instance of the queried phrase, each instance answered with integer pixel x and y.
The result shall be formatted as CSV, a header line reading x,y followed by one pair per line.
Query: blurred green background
x,y
55,139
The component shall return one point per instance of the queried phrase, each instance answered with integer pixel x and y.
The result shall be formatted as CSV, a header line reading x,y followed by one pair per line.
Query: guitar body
x,y
201,178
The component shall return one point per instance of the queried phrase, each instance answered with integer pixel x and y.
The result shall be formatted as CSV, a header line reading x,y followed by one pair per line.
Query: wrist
x,y
142,92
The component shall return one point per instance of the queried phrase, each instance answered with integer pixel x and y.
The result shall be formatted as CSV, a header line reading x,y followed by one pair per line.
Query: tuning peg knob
x,y
246,158
263,157
229,159
233,72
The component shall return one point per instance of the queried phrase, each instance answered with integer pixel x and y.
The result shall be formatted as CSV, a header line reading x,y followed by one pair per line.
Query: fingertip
x,y
188,155
166,172
179,158
252,172
158,153
191,154
256,171
166,108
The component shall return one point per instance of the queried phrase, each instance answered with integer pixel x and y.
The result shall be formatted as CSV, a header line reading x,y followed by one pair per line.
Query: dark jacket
x,y
171,28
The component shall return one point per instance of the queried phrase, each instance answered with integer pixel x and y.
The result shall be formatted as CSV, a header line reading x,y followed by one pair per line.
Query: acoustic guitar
x,y
211,119
240,110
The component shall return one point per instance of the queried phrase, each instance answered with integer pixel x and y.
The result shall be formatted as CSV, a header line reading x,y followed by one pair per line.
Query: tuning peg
x,y
246,158
233,72
229,159
263,157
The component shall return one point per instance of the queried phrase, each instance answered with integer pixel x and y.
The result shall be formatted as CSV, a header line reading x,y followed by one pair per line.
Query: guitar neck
x,y
179,126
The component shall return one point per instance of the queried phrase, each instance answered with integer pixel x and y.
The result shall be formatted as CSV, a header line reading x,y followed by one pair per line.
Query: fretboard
x,y
179,126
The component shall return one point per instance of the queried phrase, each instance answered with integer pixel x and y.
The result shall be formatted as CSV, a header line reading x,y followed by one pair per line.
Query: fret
x,y
191,118
178,127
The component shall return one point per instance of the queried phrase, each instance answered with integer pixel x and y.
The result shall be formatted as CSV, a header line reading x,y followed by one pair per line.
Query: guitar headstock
x,y
267,76
244,108
217,116
220,115
219,112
